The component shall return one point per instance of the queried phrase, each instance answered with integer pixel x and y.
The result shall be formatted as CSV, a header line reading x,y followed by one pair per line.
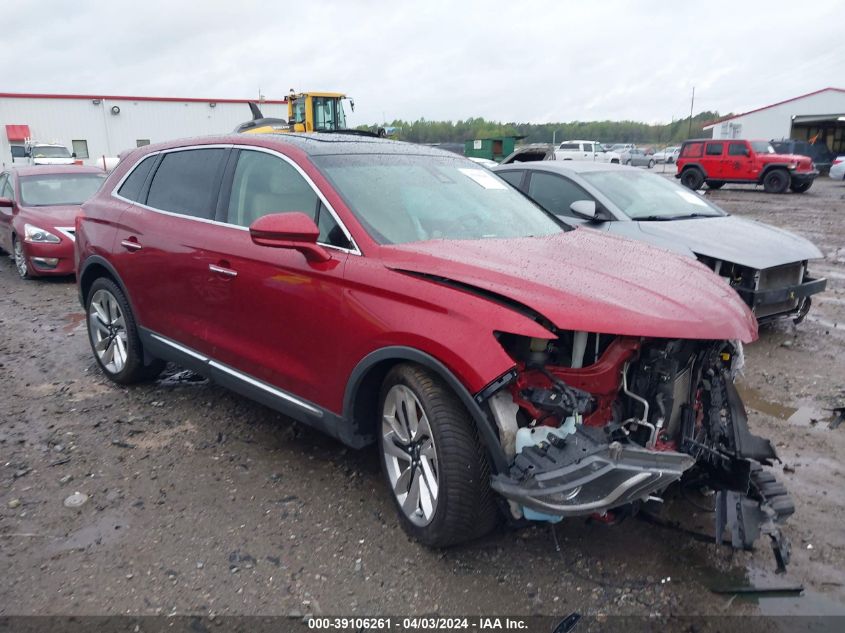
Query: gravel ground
x,y
202,502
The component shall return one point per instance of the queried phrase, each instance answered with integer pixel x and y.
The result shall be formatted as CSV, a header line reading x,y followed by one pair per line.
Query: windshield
x,y
59,189
641,195
328,114
762,147
50,151
408,198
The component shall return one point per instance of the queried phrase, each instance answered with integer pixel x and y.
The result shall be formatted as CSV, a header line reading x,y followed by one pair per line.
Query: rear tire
x,y
113,335
692,178
715,184
433,461
776,181
650,164
800,188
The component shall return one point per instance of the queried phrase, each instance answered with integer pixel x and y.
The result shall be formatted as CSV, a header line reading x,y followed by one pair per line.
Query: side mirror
x,y
585,209
73,155
292,230
747,152
7,203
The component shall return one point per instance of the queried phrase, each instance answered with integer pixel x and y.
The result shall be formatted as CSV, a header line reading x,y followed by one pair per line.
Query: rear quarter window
x,y
715,149
134,183
692,150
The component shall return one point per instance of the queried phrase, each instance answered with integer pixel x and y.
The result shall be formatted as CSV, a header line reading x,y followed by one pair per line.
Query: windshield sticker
x,y
692,198
483,178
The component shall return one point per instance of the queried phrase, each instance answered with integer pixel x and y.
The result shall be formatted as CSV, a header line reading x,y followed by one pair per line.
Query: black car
x,y
818,151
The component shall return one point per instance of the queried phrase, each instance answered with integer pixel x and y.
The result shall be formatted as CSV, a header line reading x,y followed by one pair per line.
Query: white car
x,y
667,155
837,168
592,151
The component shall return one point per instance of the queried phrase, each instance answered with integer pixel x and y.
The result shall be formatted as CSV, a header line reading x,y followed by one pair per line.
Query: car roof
x,y
314,144
32,170
565,166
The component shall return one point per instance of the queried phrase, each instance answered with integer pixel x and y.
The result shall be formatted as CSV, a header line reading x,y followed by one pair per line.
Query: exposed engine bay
x,y
595,423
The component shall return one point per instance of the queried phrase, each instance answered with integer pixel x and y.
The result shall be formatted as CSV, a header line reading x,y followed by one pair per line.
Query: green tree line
x,y
423,131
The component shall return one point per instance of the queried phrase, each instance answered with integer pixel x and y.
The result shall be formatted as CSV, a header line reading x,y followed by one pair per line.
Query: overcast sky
x,y
528,61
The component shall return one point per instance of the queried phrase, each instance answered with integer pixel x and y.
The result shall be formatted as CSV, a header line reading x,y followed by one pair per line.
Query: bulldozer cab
x,y
317,111
307,112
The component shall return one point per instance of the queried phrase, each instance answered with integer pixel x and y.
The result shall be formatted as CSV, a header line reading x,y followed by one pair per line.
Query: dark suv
x,y
391,294
717,162
818,152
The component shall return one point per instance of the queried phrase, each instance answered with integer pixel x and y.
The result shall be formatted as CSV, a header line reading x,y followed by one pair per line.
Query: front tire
x,y
432,459
19,256
776,181
692,178
800,188
650,164
113,335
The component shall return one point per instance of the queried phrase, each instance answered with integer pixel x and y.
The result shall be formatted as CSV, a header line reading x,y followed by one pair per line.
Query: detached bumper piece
x,y
585,473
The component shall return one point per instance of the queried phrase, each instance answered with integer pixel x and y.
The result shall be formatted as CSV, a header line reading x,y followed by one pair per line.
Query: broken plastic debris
x,y
76,500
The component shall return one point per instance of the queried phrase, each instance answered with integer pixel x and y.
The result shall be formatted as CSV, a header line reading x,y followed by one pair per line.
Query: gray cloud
x,y
513,61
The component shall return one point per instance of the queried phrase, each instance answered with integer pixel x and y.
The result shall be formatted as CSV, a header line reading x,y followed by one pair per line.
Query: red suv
x,y
390,293
743,162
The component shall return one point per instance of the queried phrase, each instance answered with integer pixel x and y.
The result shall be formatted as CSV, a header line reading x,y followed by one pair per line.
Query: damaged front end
x,y
592,423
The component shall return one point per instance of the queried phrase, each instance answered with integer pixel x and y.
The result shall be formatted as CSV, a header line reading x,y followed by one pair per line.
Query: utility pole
x,y
691,104
554,135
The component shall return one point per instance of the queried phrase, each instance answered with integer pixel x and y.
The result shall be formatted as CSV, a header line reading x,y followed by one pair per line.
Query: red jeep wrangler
x,y
743,162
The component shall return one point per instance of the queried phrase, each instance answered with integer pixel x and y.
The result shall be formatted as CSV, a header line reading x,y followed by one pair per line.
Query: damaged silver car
x,y
768,267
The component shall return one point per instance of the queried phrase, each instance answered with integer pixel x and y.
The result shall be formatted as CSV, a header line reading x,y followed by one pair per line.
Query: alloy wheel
x,y
108,331
409,454
20,260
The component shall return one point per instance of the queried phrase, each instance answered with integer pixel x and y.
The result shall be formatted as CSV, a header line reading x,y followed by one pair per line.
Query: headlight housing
x,y
38,235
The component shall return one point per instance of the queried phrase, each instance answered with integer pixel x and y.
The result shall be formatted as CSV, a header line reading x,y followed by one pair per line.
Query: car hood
x,y
732,239
64,215
589,281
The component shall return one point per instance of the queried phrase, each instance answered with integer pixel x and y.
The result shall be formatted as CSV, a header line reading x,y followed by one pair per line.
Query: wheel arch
x,y
360,401
92,269
689,166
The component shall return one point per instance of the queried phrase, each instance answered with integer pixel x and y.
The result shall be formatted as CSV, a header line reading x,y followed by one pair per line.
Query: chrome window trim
x,y
352,251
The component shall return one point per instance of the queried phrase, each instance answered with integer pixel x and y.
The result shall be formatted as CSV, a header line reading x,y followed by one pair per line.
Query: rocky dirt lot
x,y
202,502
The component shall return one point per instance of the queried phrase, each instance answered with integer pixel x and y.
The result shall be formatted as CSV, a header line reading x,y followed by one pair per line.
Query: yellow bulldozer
x,y
307,112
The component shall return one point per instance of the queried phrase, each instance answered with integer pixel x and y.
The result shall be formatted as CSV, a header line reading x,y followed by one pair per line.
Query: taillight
x,y
836,161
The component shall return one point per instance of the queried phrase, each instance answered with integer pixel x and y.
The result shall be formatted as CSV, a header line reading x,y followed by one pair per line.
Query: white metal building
x,y
819,114
93,126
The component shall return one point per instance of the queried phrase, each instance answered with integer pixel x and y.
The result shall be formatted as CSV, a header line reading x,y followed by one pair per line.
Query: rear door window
x,y
187,181
555,193
714,149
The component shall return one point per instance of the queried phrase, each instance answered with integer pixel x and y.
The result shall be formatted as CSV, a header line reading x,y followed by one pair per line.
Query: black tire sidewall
x,y
776,181
692,178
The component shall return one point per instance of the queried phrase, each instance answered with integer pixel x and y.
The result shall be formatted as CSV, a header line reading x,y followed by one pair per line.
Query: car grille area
x,y
775,278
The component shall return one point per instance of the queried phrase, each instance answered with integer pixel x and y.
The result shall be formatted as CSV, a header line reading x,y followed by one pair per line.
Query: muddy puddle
x,y
801,415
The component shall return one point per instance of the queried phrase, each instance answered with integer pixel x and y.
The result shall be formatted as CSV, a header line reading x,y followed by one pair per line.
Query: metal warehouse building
x,y
819,114
93,126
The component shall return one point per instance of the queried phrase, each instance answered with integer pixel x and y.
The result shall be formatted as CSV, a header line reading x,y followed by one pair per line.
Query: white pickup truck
x,y
585,150
48,154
